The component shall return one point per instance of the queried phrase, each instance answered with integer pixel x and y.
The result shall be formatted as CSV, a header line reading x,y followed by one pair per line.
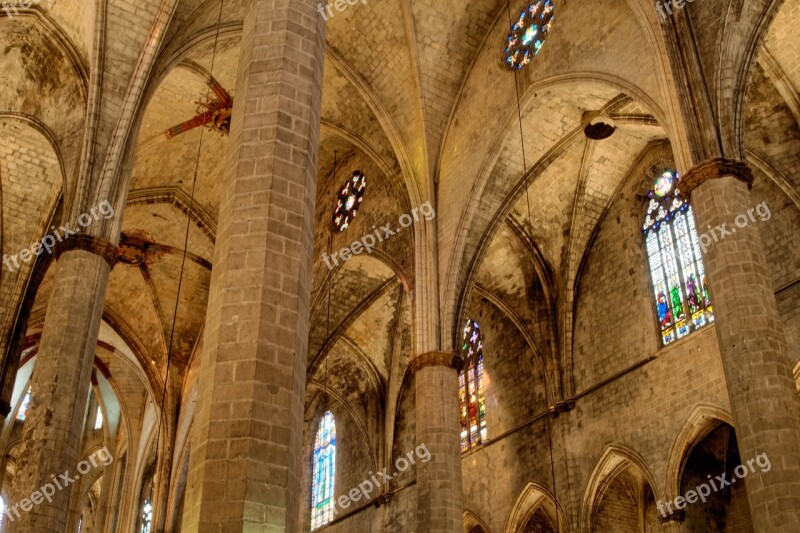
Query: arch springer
x,y
91,244
677,515
436,358
718,167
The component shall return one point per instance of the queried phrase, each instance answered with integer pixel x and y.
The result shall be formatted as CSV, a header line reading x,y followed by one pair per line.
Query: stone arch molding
x,y
472,520
614,460
530,500
700,422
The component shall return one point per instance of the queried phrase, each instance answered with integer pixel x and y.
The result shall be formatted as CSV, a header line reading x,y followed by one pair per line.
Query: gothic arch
x,y
472,522
700,422
532,498
614,461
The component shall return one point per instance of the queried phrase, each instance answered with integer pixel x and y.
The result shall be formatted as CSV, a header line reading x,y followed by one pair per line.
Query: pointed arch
x,y
472,522
614,460
532,498
703,419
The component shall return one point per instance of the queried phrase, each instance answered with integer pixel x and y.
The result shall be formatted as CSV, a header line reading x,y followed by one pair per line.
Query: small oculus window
x,y
528,34
351,194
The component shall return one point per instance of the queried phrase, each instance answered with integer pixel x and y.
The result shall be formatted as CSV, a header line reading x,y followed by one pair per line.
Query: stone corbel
x,y
436,359
712,169
91,244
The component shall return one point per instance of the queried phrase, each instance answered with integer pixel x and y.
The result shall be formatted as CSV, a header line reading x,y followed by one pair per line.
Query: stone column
x,y
440,505
757,369
60,385
246,456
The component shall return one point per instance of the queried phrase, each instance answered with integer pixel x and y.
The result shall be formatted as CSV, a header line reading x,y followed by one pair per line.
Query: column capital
x,y
91,244
718,167
436,359
678,515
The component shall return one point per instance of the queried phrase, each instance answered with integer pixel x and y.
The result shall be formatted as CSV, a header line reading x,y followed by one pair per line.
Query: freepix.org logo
x,y
48,242
11,6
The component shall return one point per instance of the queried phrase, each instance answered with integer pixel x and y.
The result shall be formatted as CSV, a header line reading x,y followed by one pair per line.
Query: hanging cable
x,y
530,233
185,251
330,284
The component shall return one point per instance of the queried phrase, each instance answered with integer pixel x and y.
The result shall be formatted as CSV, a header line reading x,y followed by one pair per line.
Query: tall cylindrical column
x,y
757,369
440,505
60,388
245,464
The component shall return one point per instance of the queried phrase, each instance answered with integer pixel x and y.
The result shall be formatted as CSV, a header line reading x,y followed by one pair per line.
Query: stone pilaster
x,y
757,369
439,496
60,384
245,464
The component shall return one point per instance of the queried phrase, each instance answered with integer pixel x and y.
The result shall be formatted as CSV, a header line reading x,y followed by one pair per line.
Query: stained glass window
x,y
324,472
683,303
471,401
22,414
528,33
349,200
147,517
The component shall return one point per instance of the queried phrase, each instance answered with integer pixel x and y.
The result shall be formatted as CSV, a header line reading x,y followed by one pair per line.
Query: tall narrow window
x,y
22,414
98,419
470,389
2,511
683,303
147,517
324,472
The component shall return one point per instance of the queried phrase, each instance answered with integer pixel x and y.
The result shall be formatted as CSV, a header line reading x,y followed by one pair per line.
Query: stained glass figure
x,y
22,414
471,400
528,33
324,472
682,298
349,200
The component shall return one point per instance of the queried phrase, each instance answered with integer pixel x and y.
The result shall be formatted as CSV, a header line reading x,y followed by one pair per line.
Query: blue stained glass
x,y
528,34
324,472
22,414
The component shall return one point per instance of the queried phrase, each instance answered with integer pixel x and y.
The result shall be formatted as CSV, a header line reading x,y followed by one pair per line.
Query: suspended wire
x,y
530,230
330,283
186,243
